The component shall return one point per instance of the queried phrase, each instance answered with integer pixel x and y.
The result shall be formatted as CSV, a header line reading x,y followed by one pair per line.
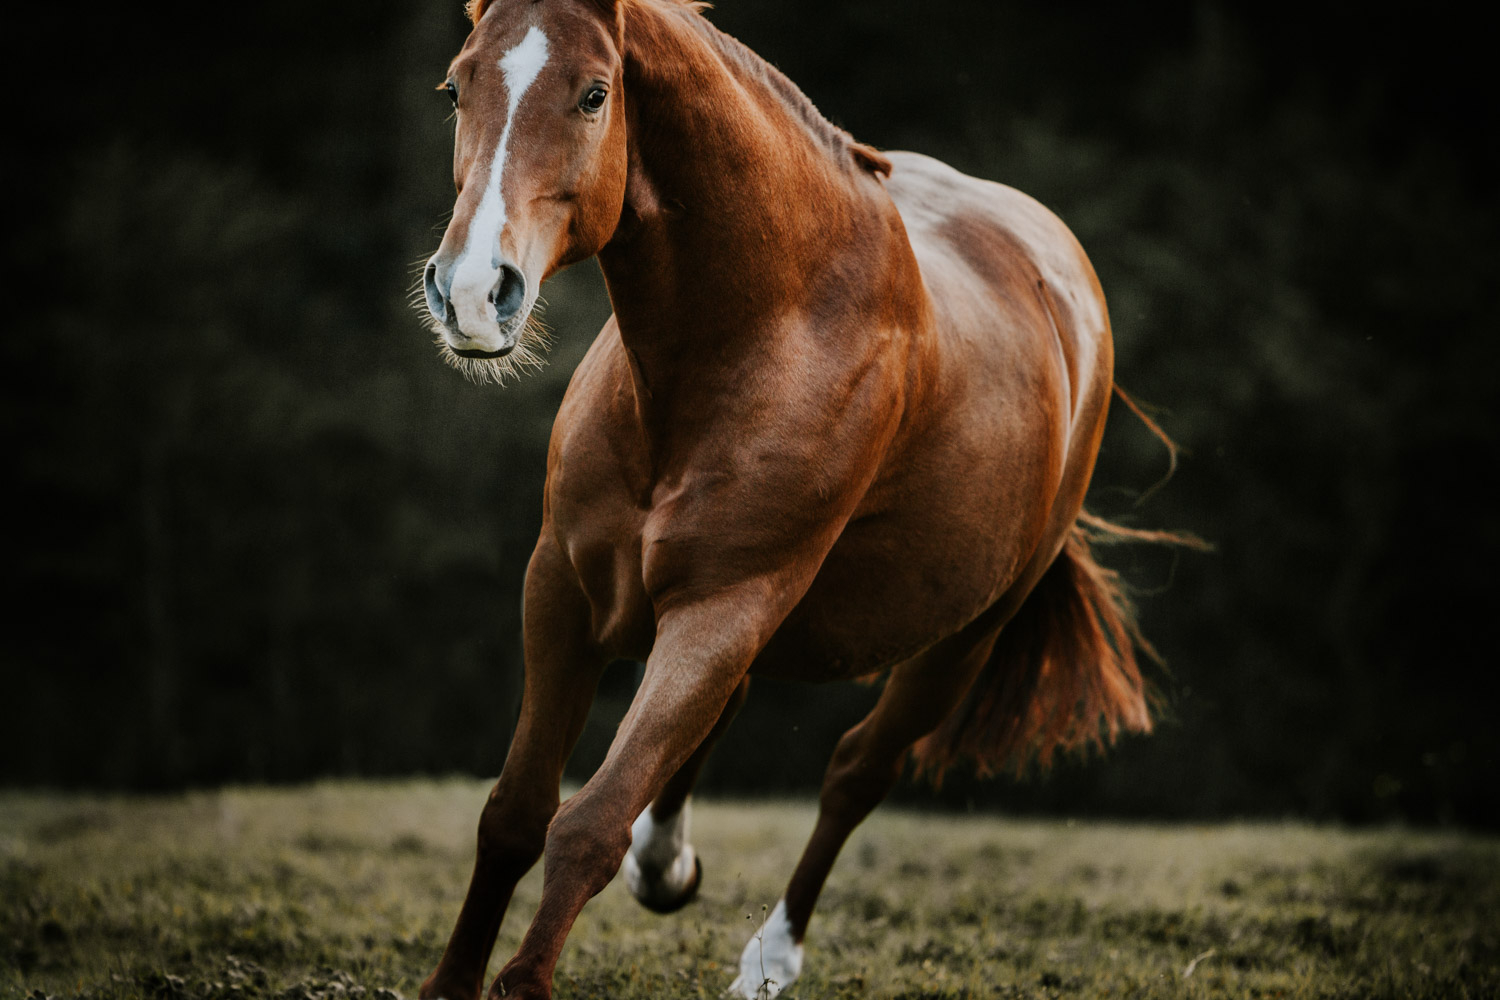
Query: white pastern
x,y
477,271
660,863
772,960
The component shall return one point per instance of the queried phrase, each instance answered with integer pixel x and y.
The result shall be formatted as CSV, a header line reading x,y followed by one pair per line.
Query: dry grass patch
x,y
348,890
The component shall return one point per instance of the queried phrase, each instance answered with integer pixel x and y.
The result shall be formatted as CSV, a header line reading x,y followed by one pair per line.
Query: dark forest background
x,y
260,533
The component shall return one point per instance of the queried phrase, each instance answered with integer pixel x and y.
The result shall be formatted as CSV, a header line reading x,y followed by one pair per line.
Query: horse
x,y
840,425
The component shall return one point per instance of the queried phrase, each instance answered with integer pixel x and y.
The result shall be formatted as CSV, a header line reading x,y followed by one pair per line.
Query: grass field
x,y
347,891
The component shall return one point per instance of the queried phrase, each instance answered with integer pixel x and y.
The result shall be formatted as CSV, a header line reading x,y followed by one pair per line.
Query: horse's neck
x,y
738,202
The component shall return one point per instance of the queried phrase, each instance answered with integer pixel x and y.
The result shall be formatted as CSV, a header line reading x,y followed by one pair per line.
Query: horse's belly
x,y
887,591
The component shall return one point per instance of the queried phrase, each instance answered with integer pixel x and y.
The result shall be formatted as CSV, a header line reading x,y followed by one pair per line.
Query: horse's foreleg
x,y
661,869
562,672
697,665
865,766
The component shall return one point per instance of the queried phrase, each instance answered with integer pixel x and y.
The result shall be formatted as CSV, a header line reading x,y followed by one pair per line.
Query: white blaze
x,y
478,267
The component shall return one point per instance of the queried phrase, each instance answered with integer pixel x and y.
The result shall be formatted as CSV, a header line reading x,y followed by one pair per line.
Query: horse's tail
x,y
1063,675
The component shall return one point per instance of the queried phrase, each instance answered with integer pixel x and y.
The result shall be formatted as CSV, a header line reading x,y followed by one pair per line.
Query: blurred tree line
x,y
263,534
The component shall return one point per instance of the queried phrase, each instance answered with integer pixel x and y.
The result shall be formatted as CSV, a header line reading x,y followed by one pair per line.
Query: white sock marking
x,y
661,860
478,268
771,961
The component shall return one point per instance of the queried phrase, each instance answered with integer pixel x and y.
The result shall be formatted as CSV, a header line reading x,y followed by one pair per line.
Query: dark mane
x,y
475,9
836,140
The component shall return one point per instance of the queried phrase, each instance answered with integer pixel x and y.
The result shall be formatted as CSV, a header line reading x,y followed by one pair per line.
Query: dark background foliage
x,y
260,533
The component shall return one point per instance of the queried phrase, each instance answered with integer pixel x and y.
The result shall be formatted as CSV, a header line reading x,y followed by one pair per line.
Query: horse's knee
x,y
511,833
586,843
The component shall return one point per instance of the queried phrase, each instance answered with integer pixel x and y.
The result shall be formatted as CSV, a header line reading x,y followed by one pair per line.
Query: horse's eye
x,y
594,99
452,89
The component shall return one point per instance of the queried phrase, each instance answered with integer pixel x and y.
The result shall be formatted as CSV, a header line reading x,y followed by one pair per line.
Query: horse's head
x,y
539,163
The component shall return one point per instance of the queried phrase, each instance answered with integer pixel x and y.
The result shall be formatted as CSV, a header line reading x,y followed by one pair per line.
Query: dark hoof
x,y
662,904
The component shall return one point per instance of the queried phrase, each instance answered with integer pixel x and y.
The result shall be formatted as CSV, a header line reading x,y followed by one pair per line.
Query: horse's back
x,y
1005,276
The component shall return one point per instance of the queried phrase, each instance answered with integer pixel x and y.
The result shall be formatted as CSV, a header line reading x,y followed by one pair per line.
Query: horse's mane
x,y
475,9
834,138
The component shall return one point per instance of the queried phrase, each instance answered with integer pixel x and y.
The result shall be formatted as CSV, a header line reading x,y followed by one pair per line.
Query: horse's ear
x,y
614,12
871,159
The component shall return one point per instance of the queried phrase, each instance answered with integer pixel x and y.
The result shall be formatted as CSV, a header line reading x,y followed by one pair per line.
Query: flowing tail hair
x,y
1064,675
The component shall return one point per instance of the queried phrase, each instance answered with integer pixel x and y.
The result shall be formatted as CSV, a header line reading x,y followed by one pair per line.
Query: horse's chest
x,y
600,531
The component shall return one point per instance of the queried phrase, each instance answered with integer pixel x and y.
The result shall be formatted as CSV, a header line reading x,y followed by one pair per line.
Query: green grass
x,y
347,891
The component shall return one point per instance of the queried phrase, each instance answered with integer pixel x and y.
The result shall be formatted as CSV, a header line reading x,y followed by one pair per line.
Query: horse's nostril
x,y
437,302
509,293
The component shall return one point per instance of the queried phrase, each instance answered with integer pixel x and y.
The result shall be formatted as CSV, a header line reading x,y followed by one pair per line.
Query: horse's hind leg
x,y
866,764
661,869
562,672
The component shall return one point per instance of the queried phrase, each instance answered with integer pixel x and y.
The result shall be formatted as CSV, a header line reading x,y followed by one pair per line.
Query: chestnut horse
x,y
841,422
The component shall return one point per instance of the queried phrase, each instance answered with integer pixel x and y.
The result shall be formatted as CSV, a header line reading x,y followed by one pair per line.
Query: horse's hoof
x,y
655,897
435,989
772,959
